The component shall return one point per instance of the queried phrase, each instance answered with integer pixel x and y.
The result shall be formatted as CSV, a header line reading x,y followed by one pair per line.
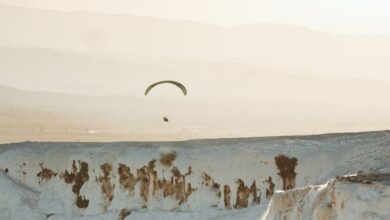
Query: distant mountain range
x,y
273,47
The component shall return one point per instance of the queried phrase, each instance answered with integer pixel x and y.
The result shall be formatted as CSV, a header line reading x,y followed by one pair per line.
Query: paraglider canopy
x,y
179,85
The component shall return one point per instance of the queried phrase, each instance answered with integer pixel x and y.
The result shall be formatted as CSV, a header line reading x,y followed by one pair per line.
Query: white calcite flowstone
x,y
361,196
199,179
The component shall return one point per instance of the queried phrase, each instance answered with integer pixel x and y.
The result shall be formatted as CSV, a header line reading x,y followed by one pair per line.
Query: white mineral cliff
x,y
199,179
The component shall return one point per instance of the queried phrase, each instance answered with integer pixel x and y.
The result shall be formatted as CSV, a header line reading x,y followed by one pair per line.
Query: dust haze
x,y
81,76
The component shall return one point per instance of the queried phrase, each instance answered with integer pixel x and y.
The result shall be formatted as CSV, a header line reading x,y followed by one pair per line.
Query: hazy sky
x,y
245,81
345,16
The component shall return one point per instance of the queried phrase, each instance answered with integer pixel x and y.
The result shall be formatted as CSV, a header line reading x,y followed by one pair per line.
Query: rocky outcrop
x,y
361,196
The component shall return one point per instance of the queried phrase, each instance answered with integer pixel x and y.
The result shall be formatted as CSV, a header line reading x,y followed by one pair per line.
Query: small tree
x,y
286,167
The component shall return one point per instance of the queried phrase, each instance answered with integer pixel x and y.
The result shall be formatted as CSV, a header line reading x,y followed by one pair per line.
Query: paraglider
x,y
179,85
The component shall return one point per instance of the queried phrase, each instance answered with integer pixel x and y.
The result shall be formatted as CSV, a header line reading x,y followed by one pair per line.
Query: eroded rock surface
x,y
126,179
45,174
77,177
107,187
244,193
215,187
226,197
271,187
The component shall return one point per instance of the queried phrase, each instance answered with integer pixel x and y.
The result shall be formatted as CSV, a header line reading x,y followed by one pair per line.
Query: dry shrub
x,y
168,158
286,167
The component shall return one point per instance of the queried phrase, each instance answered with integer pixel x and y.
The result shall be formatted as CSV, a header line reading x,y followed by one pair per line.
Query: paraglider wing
x,y
181,86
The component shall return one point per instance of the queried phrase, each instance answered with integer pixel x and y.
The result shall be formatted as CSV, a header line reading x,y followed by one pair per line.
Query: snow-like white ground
x,y
99,180
361,196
